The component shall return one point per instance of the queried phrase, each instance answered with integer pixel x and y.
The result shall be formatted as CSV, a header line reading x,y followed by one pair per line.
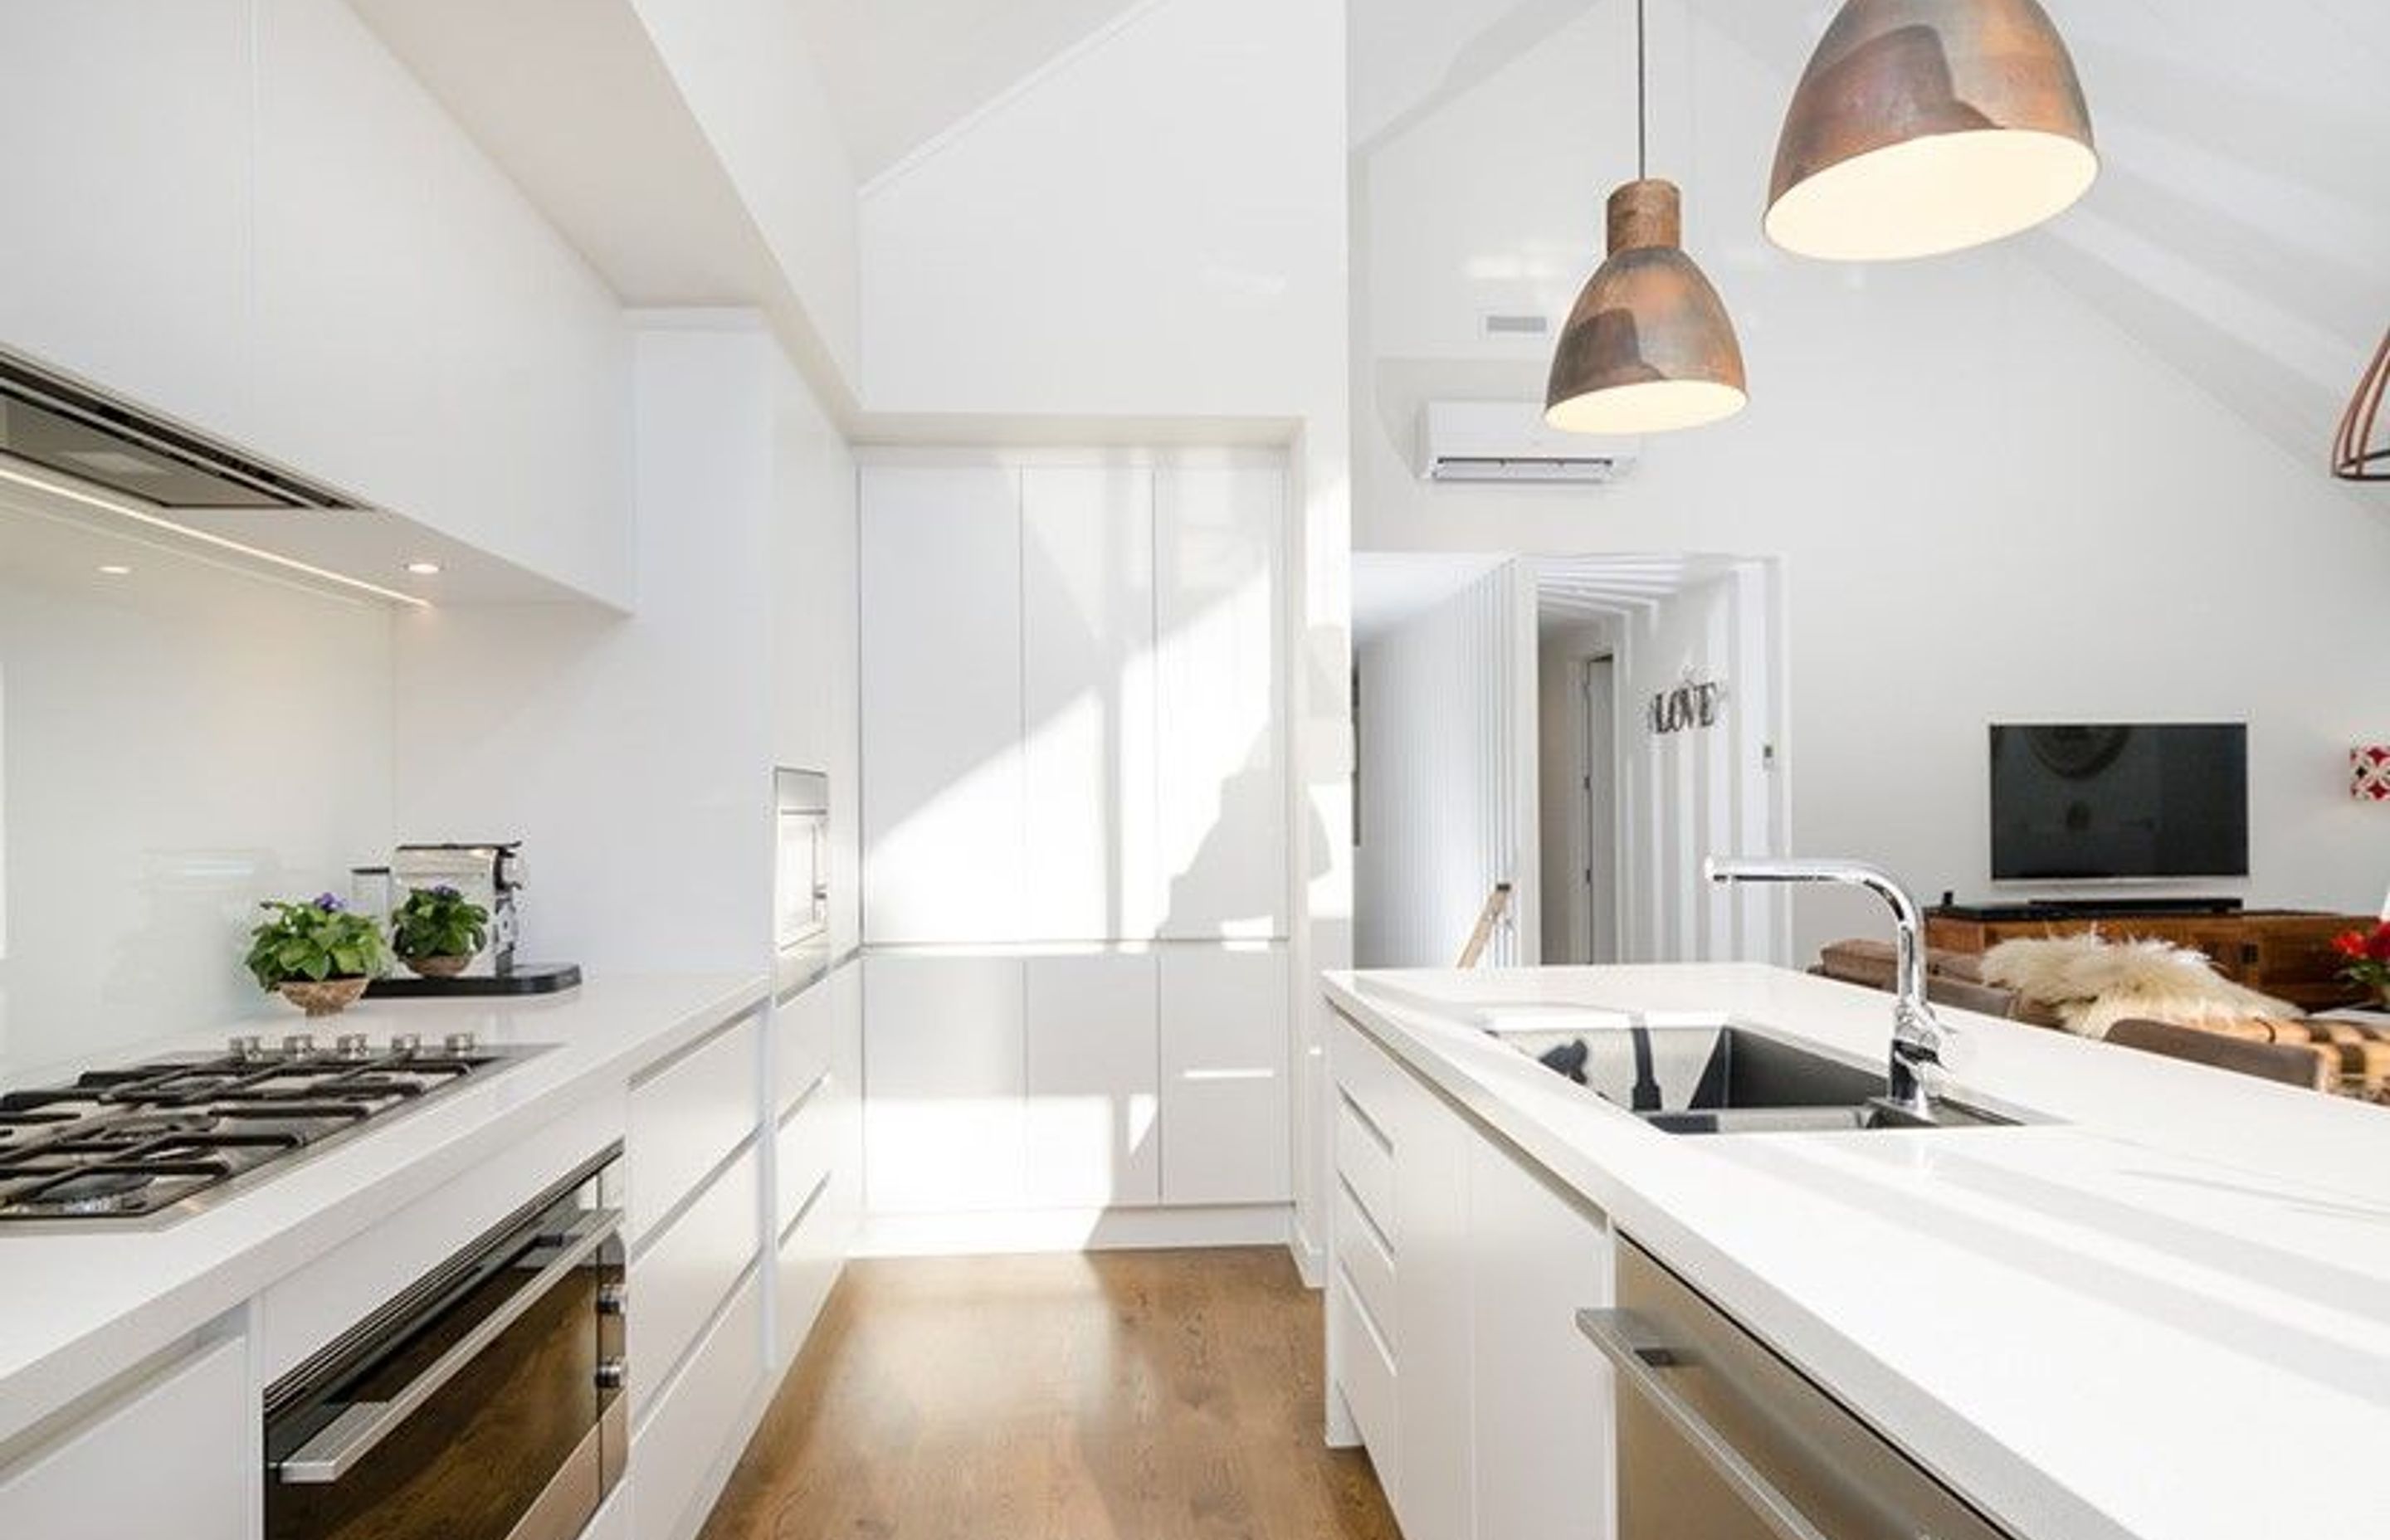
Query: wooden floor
x,y
1124,1395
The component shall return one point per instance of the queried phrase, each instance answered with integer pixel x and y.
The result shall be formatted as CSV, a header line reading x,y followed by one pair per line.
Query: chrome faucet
x,y
1917,1033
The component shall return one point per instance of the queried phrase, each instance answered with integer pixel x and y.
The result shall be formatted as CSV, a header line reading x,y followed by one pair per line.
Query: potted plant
x,y
2369,958
318,955
438,932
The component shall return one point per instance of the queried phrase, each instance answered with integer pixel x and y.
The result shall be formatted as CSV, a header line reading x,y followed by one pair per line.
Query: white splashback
x,y
176,743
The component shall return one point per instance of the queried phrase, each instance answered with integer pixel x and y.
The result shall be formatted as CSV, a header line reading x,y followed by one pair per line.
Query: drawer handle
x,y
1639,1354
351,1435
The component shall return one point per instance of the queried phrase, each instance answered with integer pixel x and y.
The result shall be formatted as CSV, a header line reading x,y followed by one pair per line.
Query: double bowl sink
x,y
1731,1079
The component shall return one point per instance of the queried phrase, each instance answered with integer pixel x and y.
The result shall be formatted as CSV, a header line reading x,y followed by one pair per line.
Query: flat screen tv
x,y
2112,799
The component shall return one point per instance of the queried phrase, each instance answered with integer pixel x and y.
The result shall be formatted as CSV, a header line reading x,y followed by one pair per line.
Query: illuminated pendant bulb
x,y
1925,126
1649,348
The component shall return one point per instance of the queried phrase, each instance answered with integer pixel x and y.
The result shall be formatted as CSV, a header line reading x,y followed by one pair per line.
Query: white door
x,y
1093,1064
944,1067
1222,756
1087,751
1225,1133
943,791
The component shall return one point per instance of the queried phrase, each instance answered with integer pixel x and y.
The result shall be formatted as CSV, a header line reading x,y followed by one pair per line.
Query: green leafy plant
x,y
315,940
439,922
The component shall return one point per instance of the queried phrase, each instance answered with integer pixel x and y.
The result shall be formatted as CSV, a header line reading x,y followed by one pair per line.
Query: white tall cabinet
x,y
1075,877
944,801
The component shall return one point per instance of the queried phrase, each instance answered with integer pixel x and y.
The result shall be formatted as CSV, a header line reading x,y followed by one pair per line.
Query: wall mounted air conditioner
x,y
1508,441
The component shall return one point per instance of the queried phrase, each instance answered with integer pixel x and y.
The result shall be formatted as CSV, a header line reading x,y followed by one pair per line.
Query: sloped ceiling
x,y
2241,226
902,73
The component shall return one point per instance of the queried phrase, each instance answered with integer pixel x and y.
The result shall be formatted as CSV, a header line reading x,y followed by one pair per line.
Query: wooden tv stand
x,y
2285,953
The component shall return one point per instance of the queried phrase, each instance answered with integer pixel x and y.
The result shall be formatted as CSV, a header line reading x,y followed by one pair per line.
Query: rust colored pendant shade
x,y
1649,347
2358,455
1925,126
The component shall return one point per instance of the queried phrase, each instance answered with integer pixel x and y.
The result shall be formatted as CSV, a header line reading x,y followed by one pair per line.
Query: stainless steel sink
x,y
1729,1079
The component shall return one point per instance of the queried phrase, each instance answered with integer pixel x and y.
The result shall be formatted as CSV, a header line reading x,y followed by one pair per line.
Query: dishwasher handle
x,y
349,1437
1639,1354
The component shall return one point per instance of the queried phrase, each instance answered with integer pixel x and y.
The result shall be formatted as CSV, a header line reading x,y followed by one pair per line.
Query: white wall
x,y
1448,729
634,756
751,83
245,213
1987,501
176,744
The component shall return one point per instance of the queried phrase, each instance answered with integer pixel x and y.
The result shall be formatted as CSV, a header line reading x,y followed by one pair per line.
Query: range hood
x,y
66,426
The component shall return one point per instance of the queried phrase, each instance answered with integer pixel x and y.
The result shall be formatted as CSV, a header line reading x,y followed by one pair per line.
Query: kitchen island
x,y
2160,1310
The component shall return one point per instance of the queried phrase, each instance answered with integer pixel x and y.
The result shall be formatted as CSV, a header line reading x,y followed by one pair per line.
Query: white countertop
x,y
2165,1316
76,1309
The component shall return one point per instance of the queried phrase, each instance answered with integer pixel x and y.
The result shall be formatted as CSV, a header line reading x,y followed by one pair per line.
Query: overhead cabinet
x,y
1072,719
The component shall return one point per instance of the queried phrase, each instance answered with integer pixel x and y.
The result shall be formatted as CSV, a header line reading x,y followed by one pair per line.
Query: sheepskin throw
x,y
2092,982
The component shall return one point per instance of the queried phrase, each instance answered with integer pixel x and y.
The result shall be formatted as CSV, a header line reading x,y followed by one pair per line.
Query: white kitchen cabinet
x,y
1224,1132
945,1063
1432,1299
1481,1388
1219,699
691,1436
687,1269
687,1116
1092,1070
126,258
943,809
1088,734
170,1457
1543,1399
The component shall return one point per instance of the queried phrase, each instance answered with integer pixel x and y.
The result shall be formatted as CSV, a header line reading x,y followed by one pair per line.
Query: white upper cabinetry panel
x,y
944,820
1222,755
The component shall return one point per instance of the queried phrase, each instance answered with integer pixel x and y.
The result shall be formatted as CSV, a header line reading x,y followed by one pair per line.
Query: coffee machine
x,y
489,872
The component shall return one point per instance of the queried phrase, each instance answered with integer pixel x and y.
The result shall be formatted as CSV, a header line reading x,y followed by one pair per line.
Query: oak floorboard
x,y
1118,1395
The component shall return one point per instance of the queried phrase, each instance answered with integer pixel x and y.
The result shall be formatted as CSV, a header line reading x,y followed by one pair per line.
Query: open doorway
x,y
1660,690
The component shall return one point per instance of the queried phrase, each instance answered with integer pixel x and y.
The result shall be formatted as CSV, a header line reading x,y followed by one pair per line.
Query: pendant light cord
x,y
1642,112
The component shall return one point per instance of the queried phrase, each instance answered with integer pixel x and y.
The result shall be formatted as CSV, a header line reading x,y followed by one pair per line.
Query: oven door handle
x,y
1638,1353
349,1437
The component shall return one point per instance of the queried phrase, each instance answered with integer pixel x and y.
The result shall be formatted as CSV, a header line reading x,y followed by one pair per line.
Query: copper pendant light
x,y
2357,455
1649,347
1925,126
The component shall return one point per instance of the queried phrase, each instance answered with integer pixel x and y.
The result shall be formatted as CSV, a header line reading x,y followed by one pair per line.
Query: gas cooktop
x,y
157,1141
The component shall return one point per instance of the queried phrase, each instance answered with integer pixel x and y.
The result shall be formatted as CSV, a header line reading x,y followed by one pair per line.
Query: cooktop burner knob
x,y
405,1043
352,1045
461,1043
298,1045
613,1374
247,1045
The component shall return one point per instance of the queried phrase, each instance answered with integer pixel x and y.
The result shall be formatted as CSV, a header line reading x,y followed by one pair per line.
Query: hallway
x,y
1125,1395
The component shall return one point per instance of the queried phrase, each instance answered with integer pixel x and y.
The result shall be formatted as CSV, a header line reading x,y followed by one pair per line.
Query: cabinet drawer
x,y
173,1459
683,1276
1367,1264
1367,1073
1366,1162
803,1027
807,1150
688,1442
808,1261
1366,1375
686,1119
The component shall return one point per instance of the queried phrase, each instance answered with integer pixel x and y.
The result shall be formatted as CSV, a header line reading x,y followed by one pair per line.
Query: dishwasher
x,y
1720,1439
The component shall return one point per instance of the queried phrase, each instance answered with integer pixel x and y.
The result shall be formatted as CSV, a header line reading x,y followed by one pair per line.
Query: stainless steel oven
x,y
483,1403
1720,1439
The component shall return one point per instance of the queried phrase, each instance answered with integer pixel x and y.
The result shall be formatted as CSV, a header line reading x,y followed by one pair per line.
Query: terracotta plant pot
x,y
437,968
324,997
